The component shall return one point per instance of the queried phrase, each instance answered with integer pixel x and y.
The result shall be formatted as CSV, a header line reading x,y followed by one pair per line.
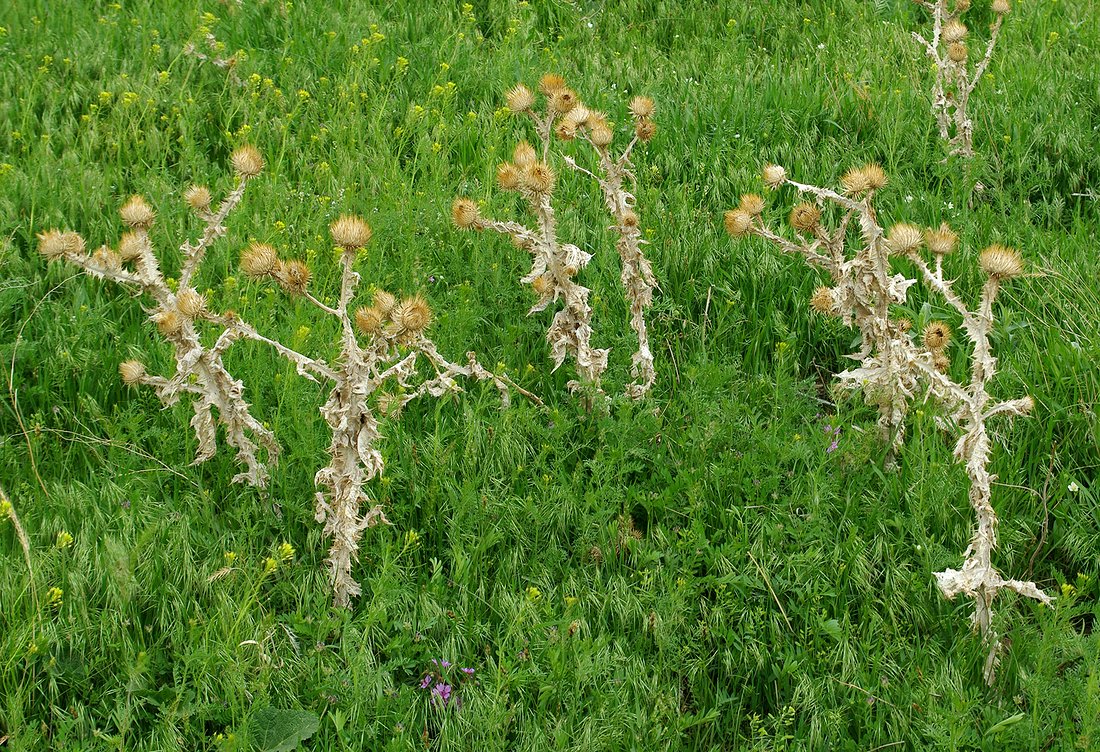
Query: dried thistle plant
x,y
394,342
178,314
956,76
894,367
215,57
555,264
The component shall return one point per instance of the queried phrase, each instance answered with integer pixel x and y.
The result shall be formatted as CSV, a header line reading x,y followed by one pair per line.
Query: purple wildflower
x,y
441,694
467,671
425,681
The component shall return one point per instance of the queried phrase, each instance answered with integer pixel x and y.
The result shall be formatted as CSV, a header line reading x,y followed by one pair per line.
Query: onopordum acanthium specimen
x,y
394,342
955,78
178,314
894,368
555,264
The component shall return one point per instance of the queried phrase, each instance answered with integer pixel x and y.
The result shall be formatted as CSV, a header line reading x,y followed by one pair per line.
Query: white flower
x,y
1073,487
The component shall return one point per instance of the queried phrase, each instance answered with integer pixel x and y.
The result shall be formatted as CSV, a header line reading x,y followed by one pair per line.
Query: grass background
x,y
691,572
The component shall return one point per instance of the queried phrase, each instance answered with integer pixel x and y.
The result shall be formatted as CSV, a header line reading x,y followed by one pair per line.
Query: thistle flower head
x,y
941,241
752,204
370,320
247,161
566,129
384,302
132,372
168,321
954,31
628,219
645,129
137,214
54,244
130,246
550,83
904,238
855,182
509,177
941,360
961,6
539,178
937,335
805,217
600,133
520,98
1001,262
107,259
904,325
350,232
737,222
957,52
1001,7
824,301
642,107
524,155
412,315
191,303
874,175
293,276
464,213
259,260
562,101
198,198
542,285
774,175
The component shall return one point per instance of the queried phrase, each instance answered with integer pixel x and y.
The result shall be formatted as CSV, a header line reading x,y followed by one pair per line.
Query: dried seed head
x,y
904,238
562,101
520,99
601,134
806,217
941,361
774,176
957,52
464,213
412,315
130,246
738,222
384,302
566,129
350,232
1001,262
855,182
954,31
137,214
259,260
941,241
542,285
107,259
874,175
751,204
247,161
628,219
904,325
645,129
642,107
961,6
1027,404
824,301
293,276
370,320
198,198
191,303
550,83
524,155
54,244
539,179
168,321
132,372
937,335
509,177
1001,7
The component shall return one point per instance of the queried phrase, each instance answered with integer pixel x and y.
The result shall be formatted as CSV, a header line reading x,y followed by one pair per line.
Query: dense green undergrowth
x,y
697,571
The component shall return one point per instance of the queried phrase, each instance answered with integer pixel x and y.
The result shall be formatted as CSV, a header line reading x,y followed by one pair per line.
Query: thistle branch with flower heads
x,y
955,77
894,368
178,314
382,372
555,264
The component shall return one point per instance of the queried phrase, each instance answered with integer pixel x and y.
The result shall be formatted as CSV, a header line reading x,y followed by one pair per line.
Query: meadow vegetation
x,y
736,560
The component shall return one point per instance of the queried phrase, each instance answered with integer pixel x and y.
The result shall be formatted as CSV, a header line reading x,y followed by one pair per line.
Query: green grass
x,y
708,576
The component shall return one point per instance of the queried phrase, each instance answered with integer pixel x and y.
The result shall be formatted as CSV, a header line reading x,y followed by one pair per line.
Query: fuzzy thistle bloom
x,y
191,303
168,321
645,129
954,31
137,214
752,204
132,372
1001,262
259,260
108,259
957,52
642,107
904,238
738,222
855,182
524,155
824,301
520,99
539,178
509,177
369,320
936,336
774,175
412,315
293,276
53,244
805,217
1001,7
874,175
941,241
350,232
130,246
551,82
198,198
464,213
601,133
384,302
247,161
562,101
